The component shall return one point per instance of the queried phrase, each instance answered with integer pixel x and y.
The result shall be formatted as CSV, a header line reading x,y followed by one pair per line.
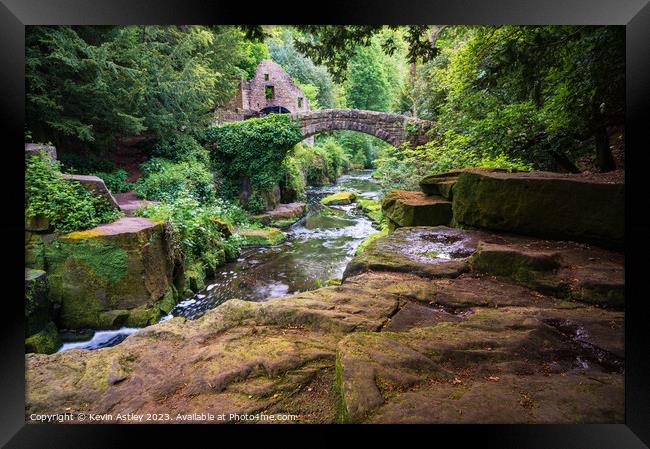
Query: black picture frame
x,y
633,14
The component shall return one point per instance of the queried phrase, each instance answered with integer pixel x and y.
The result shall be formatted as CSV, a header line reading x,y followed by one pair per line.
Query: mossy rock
x,y
224,228
339,198
368,240
141,317
120,266
409,208
543,205
38,308
372,208
113,319
440,184
262,237
47,341
38,223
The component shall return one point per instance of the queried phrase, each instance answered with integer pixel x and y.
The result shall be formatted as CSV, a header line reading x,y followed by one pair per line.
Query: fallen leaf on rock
x,y
494,378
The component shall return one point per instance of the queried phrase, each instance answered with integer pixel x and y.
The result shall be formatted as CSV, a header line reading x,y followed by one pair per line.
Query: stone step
x,y
129,202
410,208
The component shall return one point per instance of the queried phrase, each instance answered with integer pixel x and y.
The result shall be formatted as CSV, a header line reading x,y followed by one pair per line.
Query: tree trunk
x,y
412,74
604,158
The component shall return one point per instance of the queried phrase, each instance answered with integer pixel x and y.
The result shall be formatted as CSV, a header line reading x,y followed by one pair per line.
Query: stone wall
x,y
250,97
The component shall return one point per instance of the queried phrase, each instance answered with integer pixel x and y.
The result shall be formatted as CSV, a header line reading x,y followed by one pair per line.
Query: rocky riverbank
x,y
420,334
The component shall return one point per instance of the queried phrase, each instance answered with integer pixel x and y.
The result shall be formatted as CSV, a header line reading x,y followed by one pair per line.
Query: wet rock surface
x,y
284,214
408,338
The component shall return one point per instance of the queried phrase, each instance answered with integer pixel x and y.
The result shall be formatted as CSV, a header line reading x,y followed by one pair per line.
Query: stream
x,y
318,248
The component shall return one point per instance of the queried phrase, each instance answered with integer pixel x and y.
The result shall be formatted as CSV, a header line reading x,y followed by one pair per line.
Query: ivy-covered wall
x,y
252,152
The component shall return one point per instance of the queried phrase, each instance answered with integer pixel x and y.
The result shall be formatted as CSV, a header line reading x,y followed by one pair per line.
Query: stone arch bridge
x,y
394,129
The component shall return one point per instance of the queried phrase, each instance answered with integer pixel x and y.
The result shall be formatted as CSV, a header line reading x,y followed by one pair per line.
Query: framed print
x,y
407,216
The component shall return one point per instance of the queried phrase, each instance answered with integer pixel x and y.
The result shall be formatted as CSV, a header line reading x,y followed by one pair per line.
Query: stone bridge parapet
x,y
394,129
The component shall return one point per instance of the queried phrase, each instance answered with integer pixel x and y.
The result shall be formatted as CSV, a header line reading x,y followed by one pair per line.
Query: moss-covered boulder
x,y
372,208
46,341
38,308
224,228
119,266
37,223
440,184
262,237
339,198
410,208
542,204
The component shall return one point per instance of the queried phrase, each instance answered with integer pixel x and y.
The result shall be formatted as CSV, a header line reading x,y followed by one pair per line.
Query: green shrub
x,y
67,204
181,148
166,180
116,180
404,167
194,235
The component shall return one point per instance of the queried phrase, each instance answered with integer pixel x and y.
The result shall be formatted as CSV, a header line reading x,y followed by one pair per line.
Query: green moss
x,y
195,275
105,259
339,198
371,238
333,281
342,410
285,222
46,341
141,317
262,237
112,319
372,208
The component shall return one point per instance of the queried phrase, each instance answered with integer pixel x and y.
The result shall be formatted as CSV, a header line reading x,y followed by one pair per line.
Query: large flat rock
x,y
426,251
577,271
542,204
283,214
410,208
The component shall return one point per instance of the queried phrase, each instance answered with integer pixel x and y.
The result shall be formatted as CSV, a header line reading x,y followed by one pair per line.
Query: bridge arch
x,y
394,129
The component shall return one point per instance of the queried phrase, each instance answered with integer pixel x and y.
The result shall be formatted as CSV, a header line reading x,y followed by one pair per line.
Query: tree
x,y
367,86
86,86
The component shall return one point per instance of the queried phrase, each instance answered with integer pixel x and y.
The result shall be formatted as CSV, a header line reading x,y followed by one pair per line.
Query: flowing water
x,y
318,248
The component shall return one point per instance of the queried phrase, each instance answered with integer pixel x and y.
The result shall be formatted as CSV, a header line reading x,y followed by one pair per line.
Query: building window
x,y
266,77
299,102
269,93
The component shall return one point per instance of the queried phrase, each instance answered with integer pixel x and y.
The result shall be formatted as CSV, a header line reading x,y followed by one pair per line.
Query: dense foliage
x,y
167,180
67,204
116,180
194,231
546,95
404,167
253,149
90,85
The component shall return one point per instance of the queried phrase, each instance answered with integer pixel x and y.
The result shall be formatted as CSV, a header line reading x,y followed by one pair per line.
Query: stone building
x,y
270,91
